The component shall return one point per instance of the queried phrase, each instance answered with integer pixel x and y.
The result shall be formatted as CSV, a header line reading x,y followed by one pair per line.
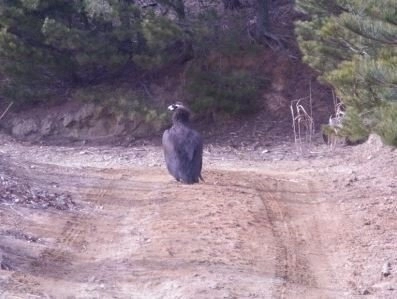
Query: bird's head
x,y
176,106
181,113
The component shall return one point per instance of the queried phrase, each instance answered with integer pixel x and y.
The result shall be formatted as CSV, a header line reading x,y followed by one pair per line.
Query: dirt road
x,y
247,232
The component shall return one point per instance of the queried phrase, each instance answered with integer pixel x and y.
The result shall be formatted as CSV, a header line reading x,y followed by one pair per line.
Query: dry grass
x,y
302,122
335,124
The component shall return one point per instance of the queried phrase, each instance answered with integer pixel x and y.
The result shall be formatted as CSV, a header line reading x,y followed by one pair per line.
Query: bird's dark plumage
x,y
183,147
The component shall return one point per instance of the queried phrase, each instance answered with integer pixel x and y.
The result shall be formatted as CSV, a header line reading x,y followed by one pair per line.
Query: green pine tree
x,y
353,45
47,46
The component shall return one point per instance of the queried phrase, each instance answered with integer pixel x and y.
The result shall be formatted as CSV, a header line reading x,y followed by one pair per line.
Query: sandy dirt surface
x,y
109,222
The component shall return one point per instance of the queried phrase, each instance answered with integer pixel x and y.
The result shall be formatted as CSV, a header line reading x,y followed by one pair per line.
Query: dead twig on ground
x,y
5,111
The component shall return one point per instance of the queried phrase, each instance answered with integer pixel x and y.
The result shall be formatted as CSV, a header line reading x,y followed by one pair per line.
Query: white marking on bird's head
x,y
175,106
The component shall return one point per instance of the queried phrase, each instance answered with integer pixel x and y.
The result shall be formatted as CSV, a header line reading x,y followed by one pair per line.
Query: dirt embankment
x,y
76,120
117,226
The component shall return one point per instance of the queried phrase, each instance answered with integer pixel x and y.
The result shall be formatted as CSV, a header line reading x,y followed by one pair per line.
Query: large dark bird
x,y
183,147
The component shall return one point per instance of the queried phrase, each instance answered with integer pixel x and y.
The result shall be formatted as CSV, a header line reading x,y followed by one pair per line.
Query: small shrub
x,y
123,103
387,125
233,92
224,76
354,129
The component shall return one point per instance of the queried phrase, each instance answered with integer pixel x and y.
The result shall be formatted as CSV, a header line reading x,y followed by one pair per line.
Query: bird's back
x,y
183,151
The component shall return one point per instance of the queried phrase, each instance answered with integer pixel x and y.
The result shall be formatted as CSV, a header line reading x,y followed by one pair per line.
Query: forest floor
x,y
274,222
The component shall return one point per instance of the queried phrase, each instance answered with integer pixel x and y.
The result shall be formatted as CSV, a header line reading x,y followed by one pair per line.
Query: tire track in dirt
x,y
302,268
68,264
57,260
287,260
238,235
